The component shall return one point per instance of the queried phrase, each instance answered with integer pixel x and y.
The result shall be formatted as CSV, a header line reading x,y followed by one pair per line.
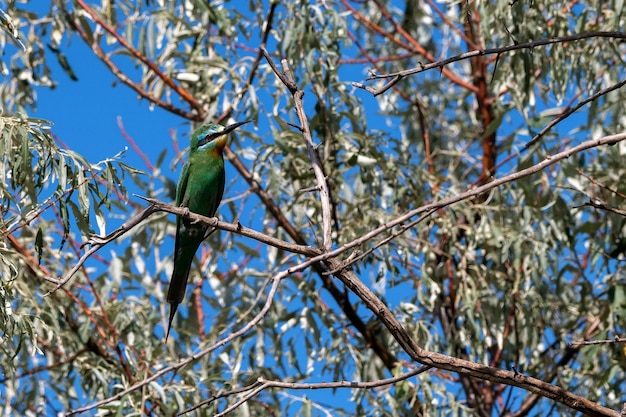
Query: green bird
x,y
200,189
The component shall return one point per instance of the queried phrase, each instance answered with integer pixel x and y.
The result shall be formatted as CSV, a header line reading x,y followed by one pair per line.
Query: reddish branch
x,y
413,44
138,55
483,95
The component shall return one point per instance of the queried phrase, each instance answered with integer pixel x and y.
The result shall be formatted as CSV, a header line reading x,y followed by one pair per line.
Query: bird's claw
x,y
191,221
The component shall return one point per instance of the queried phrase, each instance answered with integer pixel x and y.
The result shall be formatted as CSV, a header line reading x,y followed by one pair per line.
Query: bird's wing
x,y
181,188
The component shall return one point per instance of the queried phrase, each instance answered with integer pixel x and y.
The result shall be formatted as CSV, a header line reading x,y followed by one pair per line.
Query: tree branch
x,y
397,76
233,228
568,112
97,242
617,339
287,78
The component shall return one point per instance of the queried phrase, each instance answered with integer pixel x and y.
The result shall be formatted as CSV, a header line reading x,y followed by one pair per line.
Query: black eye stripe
x,y
212,136
209,138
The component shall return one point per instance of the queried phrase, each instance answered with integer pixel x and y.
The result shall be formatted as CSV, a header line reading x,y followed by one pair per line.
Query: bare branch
x,y
220,395
355,257
599,184
604,206
571,110
616,339
397,76
234,228
263,384
287,78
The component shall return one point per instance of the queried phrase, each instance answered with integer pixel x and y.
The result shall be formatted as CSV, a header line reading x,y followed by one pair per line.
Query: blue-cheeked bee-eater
x,y
200,189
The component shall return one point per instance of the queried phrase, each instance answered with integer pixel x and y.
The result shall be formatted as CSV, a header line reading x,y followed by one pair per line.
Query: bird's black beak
x,y
226,131
234,126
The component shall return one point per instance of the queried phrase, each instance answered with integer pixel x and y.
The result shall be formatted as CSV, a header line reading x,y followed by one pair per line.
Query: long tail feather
x,y
173,308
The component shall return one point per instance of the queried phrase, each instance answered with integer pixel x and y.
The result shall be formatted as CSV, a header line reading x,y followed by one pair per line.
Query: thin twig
x,y
603,206
572,110
617,339
97,243
265,384
221,394
133,144
599,184
356,257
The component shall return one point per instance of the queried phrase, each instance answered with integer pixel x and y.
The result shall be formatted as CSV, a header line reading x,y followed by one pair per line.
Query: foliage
x,y
507,278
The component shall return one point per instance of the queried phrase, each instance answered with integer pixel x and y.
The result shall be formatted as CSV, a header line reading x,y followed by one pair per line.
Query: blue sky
x,y
85,112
